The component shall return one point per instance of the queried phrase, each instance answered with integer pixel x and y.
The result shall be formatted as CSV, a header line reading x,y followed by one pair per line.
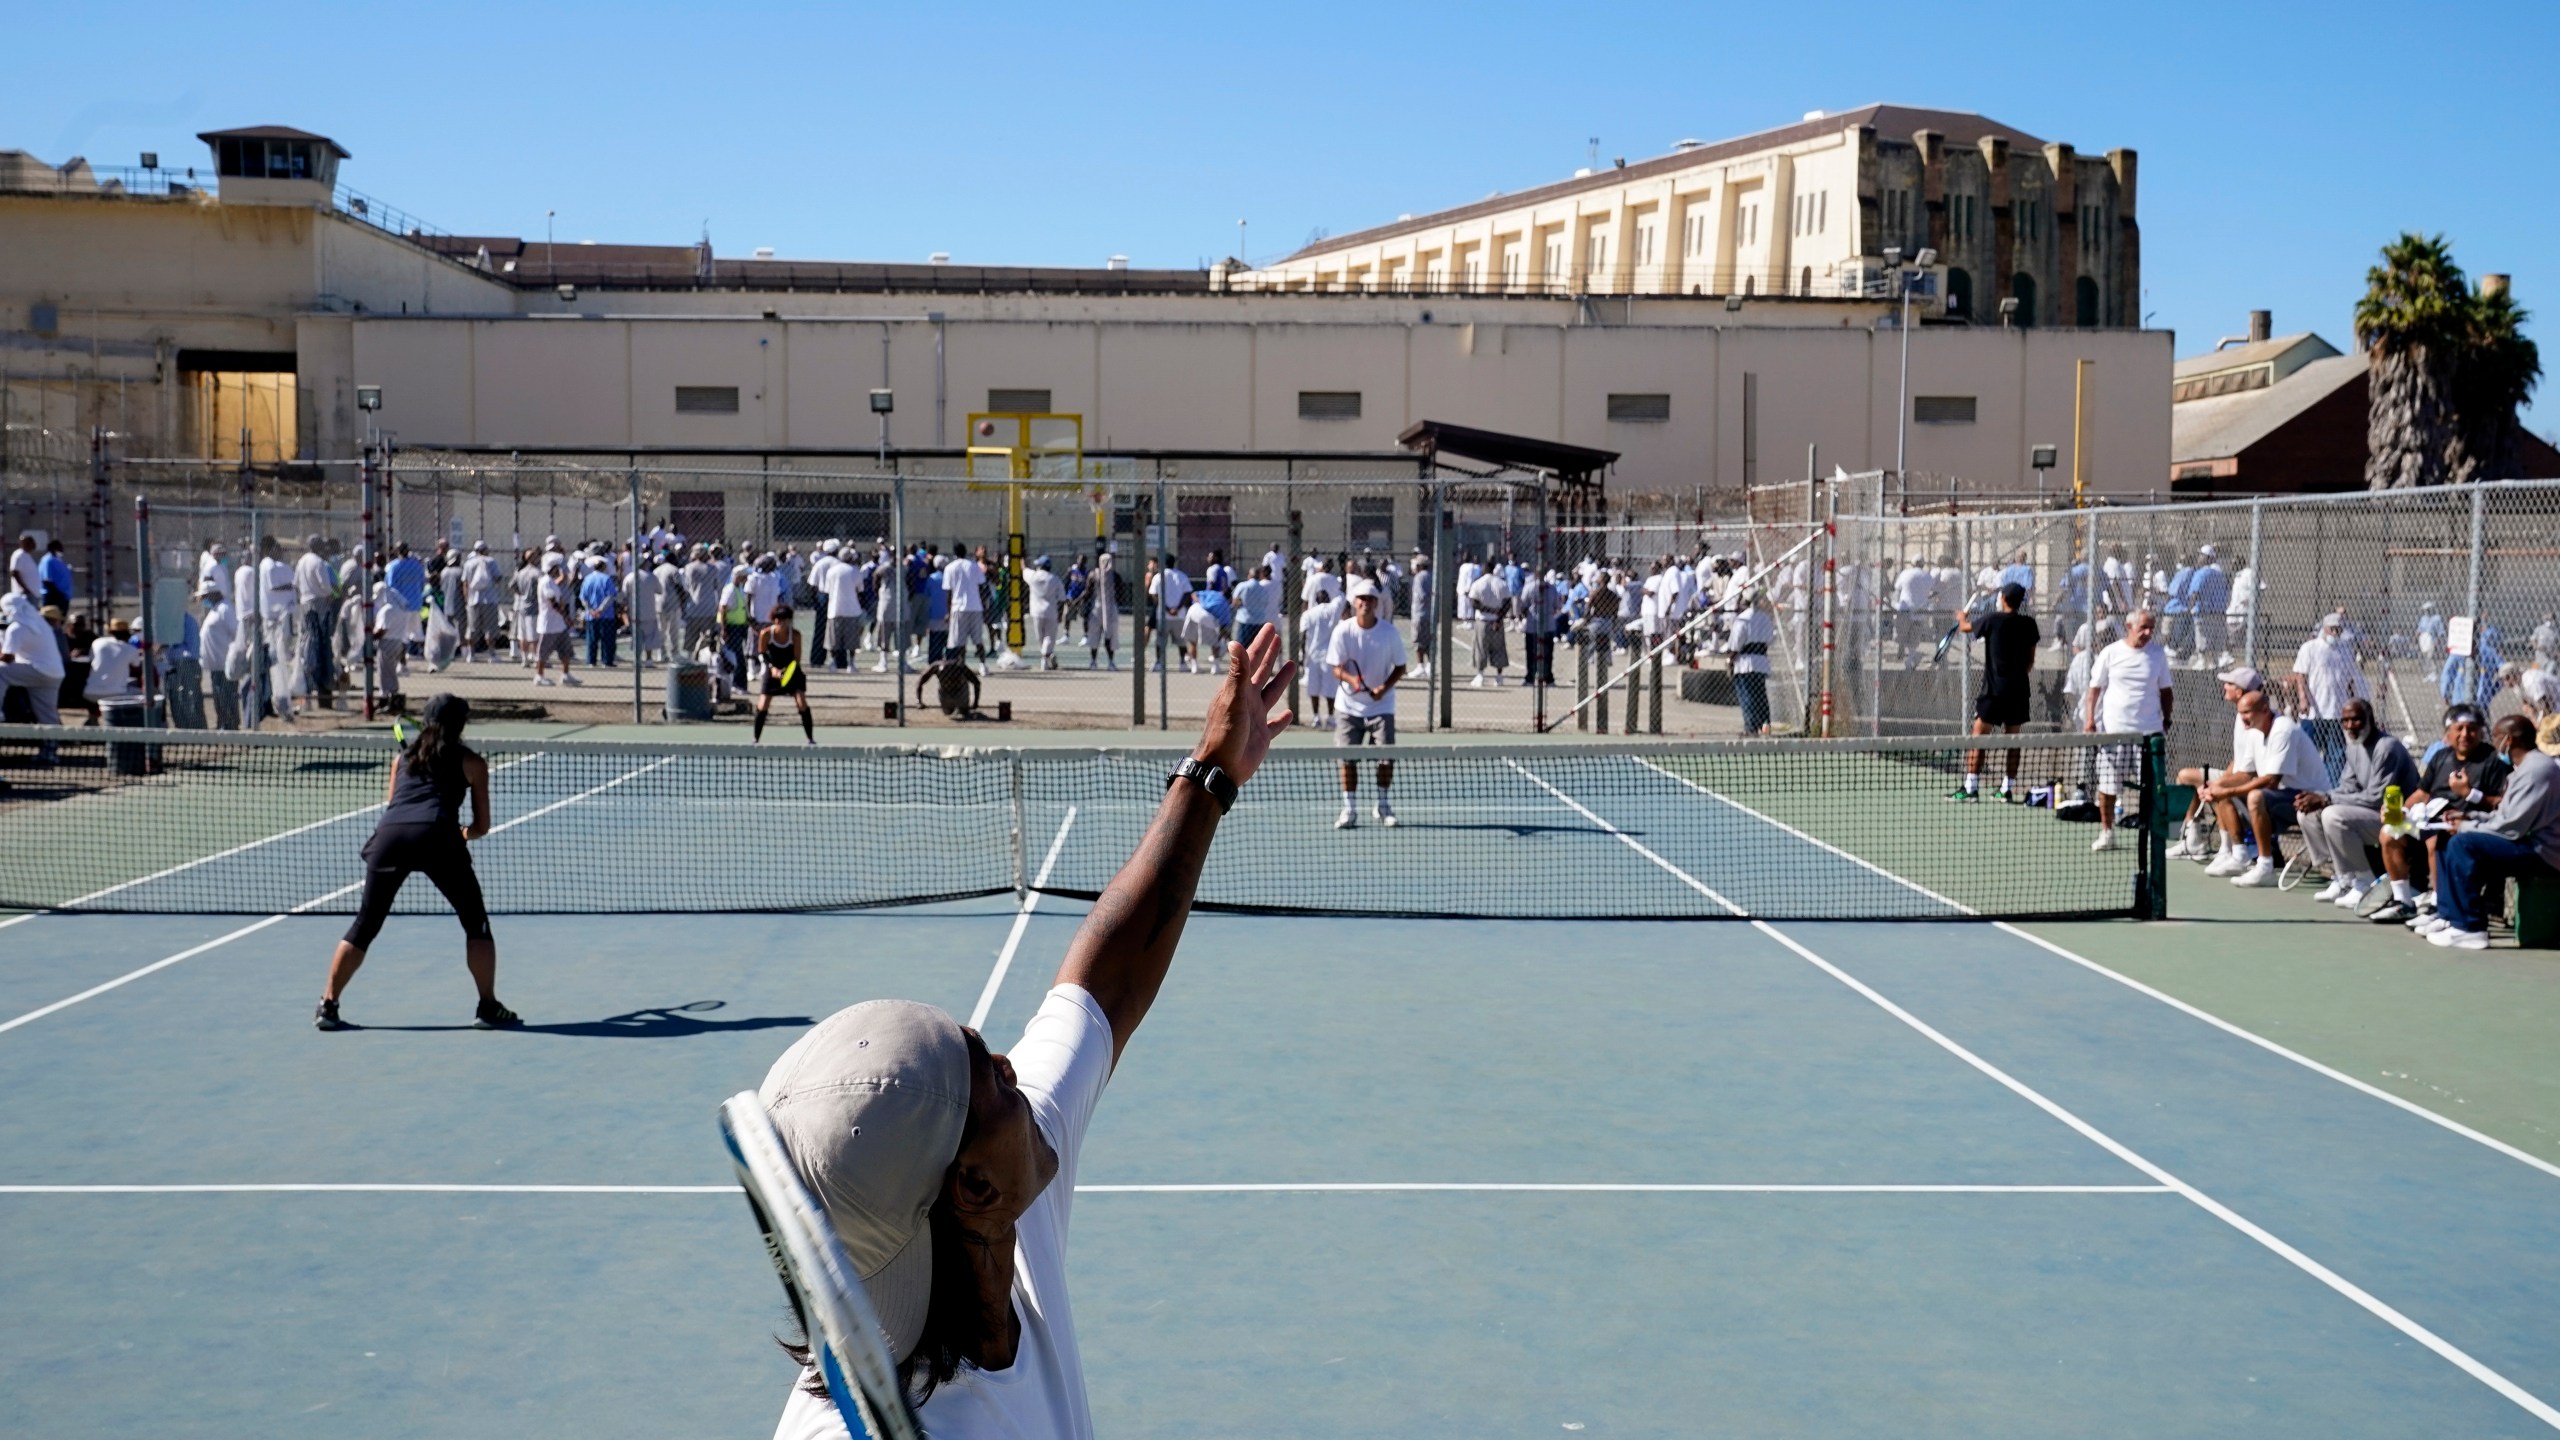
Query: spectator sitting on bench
x,y
2288,765
2219,790
2521,838
2468,775
2339,824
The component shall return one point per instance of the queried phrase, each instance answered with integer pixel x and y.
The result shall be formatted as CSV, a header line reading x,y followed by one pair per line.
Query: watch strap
x,y
1220,786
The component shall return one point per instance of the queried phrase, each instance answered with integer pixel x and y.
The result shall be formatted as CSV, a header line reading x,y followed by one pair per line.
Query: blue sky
x,y
2281,144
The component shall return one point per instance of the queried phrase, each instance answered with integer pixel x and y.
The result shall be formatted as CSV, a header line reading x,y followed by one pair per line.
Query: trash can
x,y
688,691
126,713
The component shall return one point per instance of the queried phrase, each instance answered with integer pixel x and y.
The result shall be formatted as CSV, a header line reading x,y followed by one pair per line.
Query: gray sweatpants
x,y
2336,836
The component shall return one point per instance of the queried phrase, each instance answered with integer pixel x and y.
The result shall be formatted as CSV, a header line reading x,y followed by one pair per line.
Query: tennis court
x,y
1812,1175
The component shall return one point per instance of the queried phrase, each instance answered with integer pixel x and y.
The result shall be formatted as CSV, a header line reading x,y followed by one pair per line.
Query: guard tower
x,y
275,165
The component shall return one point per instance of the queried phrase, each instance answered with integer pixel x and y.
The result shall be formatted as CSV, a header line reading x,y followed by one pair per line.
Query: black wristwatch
x,y
1220,785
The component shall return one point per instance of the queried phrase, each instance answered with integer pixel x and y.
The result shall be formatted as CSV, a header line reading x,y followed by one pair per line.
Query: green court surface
x,y
1354,1175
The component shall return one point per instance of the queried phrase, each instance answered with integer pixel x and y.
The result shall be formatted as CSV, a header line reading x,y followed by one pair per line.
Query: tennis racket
x,y
844,1335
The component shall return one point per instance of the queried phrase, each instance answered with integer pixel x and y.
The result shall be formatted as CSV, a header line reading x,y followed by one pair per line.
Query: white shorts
x,y
2118,766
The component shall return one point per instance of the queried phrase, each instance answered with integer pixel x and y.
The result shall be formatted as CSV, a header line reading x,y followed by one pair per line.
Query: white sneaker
x,y
2429,924
882,668
2261,876
543,680
2452,939
2331,891
1476,684
2228,863
1345,820
2427,899
2106,839
2179,851
2351,898
1385,813
571,680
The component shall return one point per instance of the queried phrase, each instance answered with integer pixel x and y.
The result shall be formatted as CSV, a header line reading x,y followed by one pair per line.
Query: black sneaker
x,y
2012,797
326,1017
494,1016
2393,912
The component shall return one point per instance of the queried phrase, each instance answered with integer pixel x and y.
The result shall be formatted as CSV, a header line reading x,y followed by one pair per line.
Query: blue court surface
x,y
1353,1177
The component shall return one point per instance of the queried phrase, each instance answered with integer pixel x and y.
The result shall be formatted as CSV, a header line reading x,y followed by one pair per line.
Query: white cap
x,y
1363,588
872,1104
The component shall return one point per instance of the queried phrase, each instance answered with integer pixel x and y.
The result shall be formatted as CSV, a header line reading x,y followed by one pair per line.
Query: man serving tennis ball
x,y
947,1170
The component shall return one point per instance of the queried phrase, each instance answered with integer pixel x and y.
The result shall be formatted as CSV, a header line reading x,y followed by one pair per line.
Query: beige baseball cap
x,y
871,1104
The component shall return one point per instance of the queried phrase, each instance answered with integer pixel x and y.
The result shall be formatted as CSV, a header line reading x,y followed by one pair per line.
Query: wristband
x,y
1220,786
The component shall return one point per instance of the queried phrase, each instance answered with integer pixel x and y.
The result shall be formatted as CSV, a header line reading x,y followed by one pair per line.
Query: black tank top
x,y
778,653
428,794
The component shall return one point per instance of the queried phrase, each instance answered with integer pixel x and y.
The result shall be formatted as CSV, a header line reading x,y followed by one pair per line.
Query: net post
x,y
1582,684
1653,683
2151,893
1021,863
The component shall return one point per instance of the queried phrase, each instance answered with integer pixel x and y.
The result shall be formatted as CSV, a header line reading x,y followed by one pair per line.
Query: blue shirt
x,y
53,570
1253,601
1219,610
2023,576
2179,584
597,592
937,601
2075,589
2208,590
407,577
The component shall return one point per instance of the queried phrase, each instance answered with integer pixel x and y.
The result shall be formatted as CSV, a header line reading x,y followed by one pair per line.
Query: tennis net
x,y
225,823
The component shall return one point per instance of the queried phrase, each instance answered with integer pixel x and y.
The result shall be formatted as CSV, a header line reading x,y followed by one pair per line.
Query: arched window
x,y
1748,282
2023,286
2086,303
1804,283
1959,290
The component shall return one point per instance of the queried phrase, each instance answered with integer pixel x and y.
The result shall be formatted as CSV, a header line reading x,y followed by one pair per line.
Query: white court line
x,y
223,855
311,904
1315,1187
2444,1349
1683,876
1021,922
2216,1021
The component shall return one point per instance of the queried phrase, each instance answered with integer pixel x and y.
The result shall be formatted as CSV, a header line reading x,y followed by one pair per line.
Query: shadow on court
x,y
665,1022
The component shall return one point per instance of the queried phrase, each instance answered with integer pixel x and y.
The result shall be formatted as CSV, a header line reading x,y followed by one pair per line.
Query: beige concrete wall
x,y
609,384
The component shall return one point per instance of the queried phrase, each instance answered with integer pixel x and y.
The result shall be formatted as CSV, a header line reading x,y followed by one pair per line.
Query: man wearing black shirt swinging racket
x,y
2009,638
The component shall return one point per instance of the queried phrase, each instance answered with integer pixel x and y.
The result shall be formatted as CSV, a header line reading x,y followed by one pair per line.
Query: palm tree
x,y
2496,376
2412,323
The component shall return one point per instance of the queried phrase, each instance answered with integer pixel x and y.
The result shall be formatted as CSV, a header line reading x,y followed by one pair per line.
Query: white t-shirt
x,y
2129,682
553,618
1372,654
1317,623
2288,752
111,668
764,591
23,571
843,585
1043,590
961,578
1489,597
1914,589
1172,590
1320,584
212,574
2329,676
1467,574
2244,746
1062,1062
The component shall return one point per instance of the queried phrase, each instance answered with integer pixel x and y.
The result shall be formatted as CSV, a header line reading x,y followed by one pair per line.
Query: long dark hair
x,y
440,724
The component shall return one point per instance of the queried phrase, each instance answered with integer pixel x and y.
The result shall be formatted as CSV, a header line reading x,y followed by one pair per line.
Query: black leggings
x,y
435,851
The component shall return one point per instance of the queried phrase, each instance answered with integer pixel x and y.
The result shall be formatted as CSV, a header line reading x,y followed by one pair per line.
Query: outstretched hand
x,y
1241,723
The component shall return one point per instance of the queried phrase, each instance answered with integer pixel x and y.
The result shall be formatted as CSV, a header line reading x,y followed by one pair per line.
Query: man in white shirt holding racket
x,y
948,1172
1366,658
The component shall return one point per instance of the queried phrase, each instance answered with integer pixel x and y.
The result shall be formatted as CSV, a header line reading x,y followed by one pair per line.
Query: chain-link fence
x,y
2232,582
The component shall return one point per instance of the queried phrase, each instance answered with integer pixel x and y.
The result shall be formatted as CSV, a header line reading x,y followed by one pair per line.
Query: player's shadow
x,y
663,1022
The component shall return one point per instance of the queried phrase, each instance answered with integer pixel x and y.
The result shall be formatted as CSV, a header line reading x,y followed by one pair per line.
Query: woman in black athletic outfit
x,y
421,830
783,674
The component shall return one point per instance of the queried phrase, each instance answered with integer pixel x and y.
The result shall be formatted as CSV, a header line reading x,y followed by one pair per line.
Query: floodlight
x,y
1893,254
1733,303
568,294
1926,258
883,401
368,397
2043,457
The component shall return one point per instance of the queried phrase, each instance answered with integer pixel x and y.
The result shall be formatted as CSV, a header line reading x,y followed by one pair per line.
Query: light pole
x,y
550,247
1240,255
1902,278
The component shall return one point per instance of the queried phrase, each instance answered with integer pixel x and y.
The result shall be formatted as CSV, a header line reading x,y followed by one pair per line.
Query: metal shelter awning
x,y
1574,465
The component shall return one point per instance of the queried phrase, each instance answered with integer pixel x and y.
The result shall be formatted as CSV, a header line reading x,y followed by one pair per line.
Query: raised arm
x,y
1125,946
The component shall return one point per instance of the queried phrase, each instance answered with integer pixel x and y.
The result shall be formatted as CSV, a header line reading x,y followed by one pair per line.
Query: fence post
x,y
632,604
898,540
1292,605
2257,580
1444,605
1600,707
254,709
1164,649
1141,519
1654,683
365,542
101,548
1581,683
142,581
2471,591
